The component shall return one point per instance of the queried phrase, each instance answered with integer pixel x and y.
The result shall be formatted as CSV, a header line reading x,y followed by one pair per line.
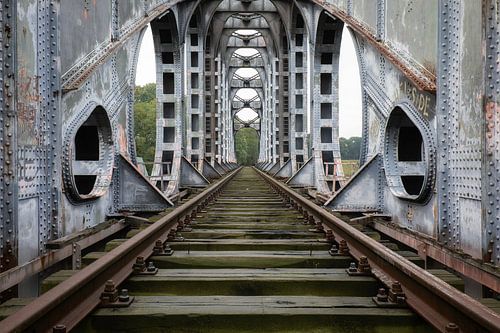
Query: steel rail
x,y
71,301
430,297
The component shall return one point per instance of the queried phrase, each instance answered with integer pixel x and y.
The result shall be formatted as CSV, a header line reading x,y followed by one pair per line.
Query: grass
x,y
350,167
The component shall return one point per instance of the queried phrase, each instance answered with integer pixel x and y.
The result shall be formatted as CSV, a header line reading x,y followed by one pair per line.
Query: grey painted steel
x,y
68,67
491,179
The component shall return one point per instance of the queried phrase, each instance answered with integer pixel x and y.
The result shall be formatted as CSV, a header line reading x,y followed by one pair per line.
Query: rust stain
x,y
492,112
122,140
27,104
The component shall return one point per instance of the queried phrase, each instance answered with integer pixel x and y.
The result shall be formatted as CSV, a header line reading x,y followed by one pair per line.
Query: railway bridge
x,y
89,240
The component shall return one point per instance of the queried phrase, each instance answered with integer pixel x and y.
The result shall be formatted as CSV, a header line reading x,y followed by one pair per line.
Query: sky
x,y
349,86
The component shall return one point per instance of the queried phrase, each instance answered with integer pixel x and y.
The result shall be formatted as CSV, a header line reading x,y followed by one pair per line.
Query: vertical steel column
x,y
298,88
194,97
491,179
325,117
448,105
170,123
8,142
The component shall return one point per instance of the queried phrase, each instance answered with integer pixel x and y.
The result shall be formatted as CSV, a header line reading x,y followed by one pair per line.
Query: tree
x,y
145,121
145,93
247,146
350,148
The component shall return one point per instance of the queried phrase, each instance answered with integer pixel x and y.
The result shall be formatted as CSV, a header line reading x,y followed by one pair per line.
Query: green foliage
x,y
350,148
246,140
145,93
145,121
247,146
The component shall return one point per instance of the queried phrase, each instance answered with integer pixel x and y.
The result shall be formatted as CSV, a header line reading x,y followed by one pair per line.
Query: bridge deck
x,y
247,262
250,264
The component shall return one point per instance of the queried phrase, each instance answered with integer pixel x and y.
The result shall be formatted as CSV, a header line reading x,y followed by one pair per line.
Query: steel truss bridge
x,y
430,151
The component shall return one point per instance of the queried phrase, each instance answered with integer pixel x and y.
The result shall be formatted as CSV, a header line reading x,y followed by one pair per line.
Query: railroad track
x,y
251,255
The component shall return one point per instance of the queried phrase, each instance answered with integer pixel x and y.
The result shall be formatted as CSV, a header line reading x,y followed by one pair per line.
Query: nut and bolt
x,y
334,250
109,286
452,328
59,328
396,294
110,294
352,268
124,297
159,248
382,295
343,248
171,235
140,265
364,266
330,237
151,267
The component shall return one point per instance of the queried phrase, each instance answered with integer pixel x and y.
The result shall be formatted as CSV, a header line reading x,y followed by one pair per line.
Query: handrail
x,y
71,301
432,298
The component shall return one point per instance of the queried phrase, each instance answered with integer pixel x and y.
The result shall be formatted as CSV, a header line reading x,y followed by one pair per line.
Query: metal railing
x,y
163,177
331,169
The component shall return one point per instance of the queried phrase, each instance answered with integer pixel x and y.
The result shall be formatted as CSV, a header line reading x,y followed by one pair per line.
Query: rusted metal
x,y
420,77
111,298
329,236
73,299
76,258
433,299
396,294
427,247
343,248
362,269
16,275
161,249
139,266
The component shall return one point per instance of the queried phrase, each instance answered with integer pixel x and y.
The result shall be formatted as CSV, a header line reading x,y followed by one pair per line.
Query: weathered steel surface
x,y
429,74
